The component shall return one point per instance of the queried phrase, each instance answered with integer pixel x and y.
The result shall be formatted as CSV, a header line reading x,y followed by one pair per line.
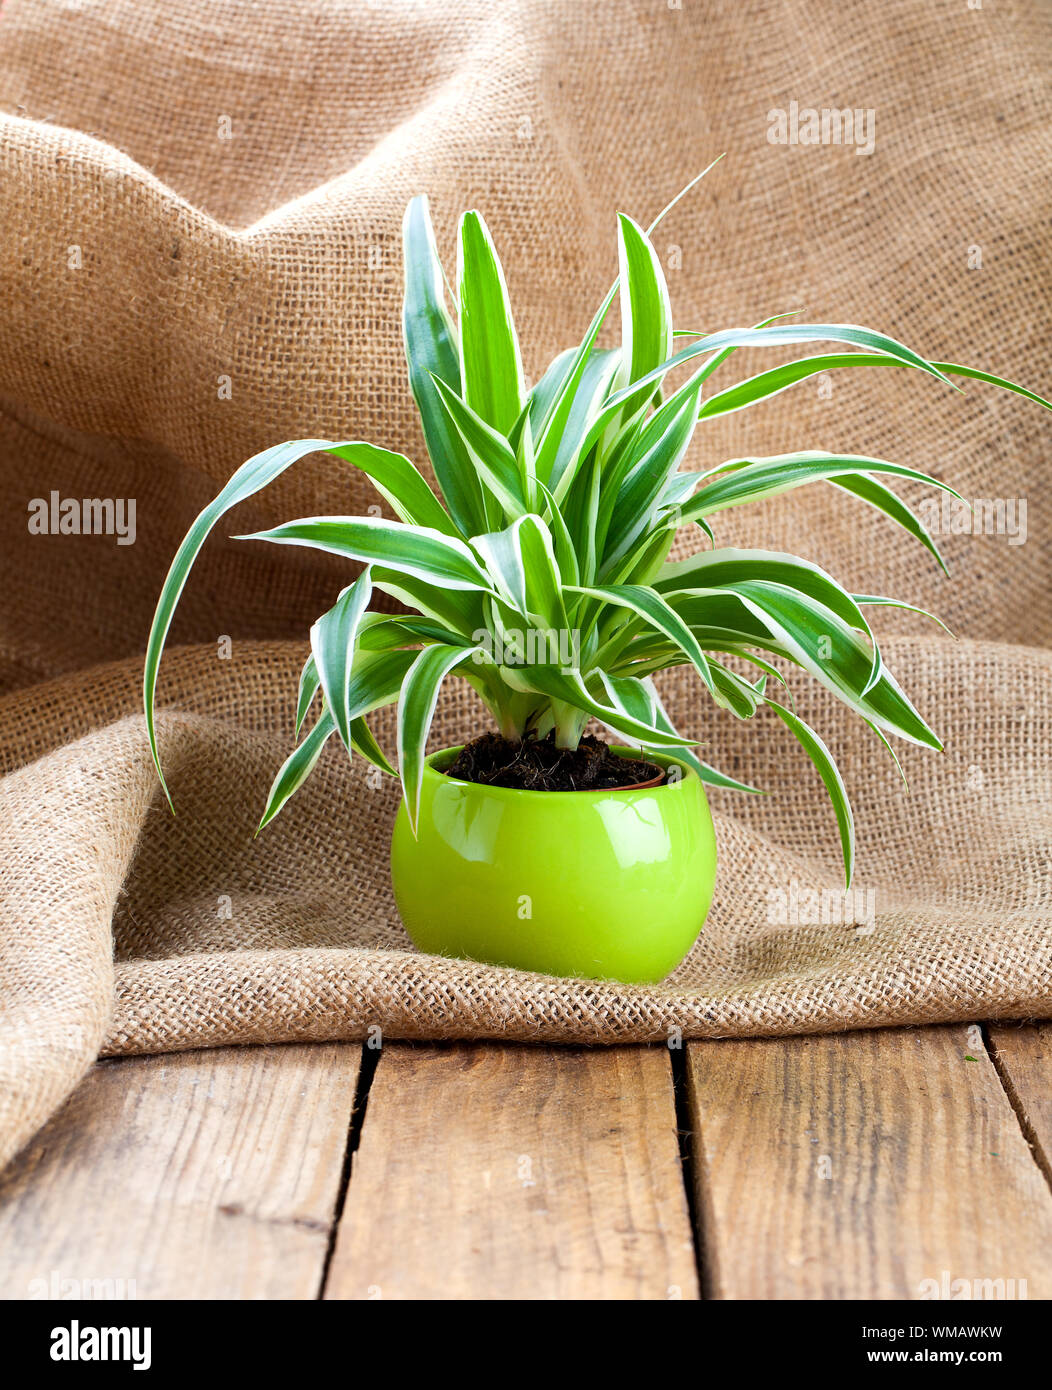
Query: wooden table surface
x,y
852,1166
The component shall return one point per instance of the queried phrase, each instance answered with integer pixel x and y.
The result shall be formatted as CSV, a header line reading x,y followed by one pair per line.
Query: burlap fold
x,y
199,257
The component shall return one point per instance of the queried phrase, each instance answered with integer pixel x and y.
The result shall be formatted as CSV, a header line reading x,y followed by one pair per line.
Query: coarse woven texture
x,y
199,257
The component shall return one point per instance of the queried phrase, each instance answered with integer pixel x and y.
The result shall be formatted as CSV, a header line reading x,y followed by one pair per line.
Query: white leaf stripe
x,y
884,703
396,479
432,350
655,610
491,367
488,452
297,767
417,550
751,480
333,639
646,314
416,709
823,760
308,688
767,384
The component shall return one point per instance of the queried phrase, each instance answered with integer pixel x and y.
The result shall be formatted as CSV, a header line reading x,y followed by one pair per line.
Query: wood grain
x,y
1023,1056
860,1165
493,1172
206,1175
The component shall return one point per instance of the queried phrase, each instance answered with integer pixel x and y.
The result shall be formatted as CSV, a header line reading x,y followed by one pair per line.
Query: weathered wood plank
x,y
493,1172
861,1165
1024,1057
205,1175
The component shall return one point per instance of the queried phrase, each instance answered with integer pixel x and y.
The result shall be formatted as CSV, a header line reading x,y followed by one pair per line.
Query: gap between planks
x,y
516,1172
462,1171
839,1167
863,1165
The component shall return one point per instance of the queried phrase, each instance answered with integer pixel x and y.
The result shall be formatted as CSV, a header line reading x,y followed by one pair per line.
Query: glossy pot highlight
x,y
603,884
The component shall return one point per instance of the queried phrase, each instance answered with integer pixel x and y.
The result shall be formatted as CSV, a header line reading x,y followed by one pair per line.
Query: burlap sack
x,y
199,257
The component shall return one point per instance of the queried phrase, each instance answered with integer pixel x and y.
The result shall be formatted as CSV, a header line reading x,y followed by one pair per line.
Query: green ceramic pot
x,y
610,885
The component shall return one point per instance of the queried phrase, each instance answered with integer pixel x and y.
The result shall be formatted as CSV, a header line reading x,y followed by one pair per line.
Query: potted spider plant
x,y
538,572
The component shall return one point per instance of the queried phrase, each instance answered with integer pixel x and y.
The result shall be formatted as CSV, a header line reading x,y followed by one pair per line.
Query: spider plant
x,y
555,511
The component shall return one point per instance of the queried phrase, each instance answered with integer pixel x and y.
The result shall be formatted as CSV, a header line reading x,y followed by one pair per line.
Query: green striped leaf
x,y
250,478
400,483
646,314
652,607
521,563
823,760
753,480
713,777
416,709
460,610
654,460
614,404
580,507
332,640
715,569
485,451
591,391
867,489
415,550
432,351
733,692
565,551
376,681
540,400
955,369
297,767
363,742
526,460
570,689
309,686
779,333
639,699
491,367
767,384
382,632
551,435
645,562
836,656
876,601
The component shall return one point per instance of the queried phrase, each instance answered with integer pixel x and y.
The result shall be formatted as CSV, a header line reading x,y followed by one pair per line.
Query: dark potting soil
x,y
538,765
